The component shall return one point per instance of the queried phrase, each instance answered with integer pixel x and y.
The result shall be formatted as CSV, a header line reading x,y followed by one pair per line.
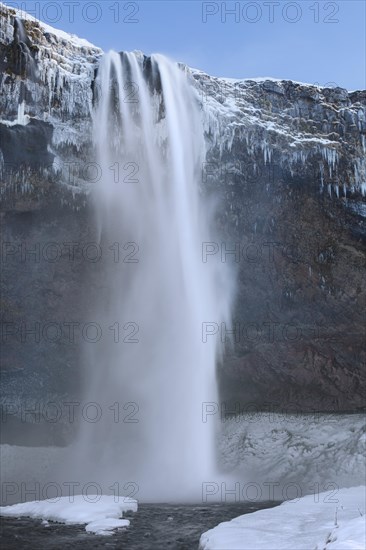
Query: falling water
x,y
157,292
30,66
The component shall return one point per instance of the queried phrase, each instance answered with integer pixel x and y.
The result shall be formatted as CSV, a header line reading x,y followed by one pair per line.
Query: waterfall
x,y
27,62
156,294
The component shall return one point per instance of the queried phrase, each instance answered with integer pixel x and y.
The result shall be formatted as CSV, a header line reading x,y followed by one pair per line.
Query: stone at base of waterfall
x,y
102,514
334,520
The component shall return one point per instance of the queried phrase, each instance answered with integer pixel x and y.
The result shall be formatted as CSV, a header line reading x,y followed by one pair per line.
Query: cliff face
x,y
46,99
287,161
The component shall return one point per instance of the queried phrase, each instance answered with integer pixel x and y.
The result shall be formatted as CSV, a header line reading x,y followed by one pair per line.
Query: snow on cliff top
x,y
62,35
83,43
264,79
260,79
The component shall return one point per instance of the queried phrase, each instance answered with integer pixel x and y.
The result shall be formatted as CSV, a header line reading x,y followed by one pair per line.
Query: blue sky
x,y
310,41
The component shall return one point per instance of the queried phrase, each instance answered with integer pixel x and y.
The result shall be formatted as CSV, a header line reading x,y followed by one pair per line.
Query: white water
x,y
151,129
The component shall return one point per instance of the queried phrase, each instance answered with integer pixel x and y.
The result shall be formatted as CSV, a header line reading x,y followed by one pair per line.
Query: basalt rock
x,y
287,163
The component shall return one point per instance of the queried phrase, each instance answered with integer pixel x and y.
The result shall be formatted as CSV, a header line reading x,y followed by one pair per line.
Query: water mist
x,y
151,372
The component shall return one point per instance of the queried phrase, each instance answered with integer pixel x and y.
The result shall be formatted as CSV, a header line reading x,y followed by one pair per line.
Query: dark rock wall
x,y
299,315
287,163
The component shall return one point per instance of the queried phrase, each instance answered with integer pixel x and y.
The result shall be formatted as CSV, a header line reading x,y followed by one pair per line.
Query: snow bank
x,y
101,513
300,448
317,522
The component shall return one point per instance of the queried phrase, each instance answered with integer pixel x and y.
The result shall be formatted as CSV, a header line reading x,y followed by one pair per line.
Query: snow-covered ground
x,y
321,522
101,513
313,457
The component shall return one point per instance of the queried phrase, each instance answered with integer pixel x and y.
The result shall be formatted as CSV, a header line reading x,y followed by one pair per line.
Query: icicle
x,y
21,116
267,152
321,170
331,156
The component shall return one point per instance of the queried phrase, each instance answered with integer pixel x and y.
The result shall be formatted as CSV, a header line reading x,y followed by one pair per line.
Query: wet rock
x,y
287,162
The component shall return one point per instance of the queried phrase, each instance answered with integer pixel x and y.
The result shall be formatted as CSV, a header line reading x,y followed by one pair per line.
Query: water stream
x,y
156,292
